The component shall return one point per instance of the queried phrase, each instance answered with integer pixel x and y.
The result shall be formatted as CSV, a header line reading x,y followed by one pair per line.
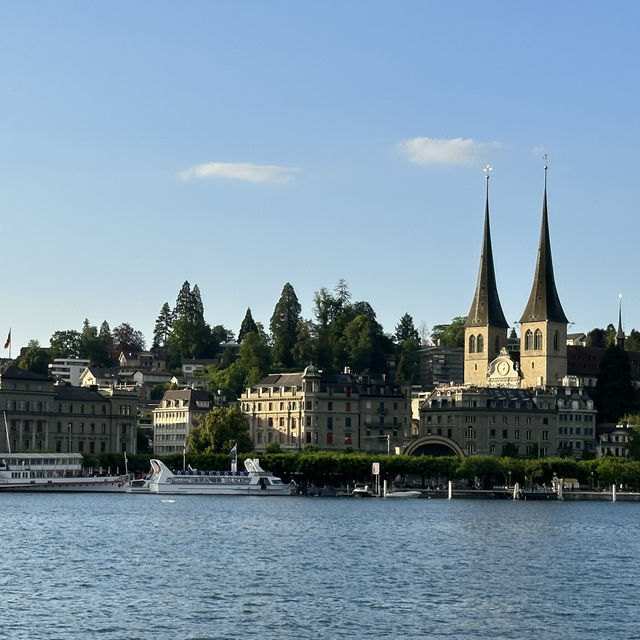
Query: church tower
x,y
485,330
543,326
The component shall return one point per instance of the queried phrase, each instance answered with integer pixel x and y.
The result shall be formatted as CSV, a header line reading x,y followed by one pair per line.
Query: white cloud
x,y
241,171
441,151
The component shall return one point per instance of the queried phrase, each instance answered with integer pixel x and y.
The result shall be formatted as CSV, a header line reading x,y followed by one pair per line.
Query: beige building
x,y
508,399
470,420
175,416
328,411
41,415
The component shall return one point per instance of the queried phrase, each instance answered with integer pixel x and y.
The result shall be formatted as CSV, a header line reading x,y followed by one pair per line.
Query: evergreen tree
x,y
248,325
183,301
405,329
93,347
191,336
162,329
283,326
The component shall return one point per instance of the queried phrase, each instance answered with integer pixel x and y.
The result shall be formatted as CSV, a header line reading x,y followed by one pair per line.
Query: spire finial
x,y
620,333
487,170
545,157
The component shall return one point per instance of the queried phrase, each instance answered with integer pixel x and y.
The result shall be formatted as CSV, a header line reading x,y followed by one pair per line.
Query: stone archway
x,y
433,445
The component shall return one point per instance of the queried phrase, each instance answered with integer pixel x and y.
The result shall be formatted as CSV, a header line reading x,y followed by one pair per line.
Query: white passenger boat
x,y
53,472
254,481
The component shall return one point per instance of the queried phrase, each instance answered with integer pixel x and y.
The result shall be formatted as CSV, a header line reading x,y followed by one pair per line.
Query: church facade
x,y
510,402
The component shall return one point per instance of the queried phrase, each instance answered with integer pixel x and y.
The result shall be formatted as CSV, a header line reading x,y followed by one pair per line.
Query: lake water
x,y
142,566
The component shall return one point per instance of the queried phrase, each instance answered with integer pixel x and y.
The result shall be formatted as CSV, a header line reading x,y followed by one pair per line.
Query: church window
x,y
555,340
528,340
480,344
497,349
537,340
472,344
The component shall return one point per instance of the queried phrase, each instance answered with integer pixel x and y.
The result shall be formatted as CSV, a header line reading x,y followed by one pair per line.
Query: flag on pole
x,y
7,344
234,454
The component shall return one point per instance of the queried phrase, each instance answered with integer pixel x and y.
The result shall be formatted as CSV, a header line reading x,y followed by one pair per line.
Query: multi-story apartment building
x,y
174,418
41,415
68,369
329,411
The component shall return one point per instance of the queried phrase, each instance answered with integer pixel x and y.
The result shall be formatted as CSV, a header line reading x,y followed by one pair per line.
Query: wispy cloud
x,y
442,151
241,171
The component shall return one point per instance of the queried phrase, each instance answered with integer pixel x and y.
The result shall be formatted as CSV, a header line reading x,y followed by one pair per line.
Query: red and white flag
x,y
8,342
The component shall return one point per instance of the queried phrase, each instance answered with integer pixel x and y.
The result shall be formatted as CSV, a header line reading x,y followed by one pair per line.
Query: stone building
x,y
175,416
41,415
515,399
328,411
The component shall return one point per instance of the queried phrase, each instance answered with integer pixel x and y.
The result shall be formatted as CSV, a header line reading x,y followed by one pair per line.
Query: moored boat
x,y
253,481
402,493
362,491
53,472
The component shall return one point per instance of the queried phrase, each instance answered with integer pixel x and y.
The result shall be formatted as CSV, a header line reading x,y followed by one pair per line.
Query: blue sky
x,y
242,145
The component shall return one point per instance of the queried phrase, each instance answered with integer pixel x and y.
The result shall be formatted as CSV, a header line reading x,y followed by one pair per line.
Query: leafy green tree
x,y
248,325
127,340
35,358
162,329
65,344
450,335
486,468
219,431
283,326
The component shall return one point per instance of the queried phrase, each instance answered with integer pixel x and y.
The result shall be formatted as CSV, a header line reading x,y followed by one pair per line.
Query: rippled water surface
x,y
140,566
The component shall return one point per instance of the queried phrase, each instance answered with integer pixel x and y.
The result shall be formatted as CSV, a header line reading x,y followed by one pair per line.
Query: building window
x,y
329,406
480,344
537,340
347,437
528,340
505,434
555,340
330,422
347,406
472,344
347,422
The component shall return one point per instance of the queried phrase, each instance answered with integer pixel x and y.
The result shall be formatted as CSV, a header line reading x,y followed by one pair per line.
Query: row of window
x,y
578,417
492,419
587,431
533,340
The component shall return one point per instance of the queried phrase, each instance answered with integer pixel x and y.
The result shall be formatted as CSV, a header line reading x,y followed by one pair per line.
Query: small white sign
x,y
375,469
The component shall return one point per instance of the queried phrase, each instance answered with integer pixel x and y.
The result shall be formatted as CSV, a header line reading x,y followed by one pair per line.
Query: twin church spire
x,y
543,323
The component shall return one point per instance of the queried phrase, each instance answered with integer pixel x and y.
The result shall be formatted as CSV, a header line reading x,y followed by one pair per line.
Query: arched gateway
x,y
432,445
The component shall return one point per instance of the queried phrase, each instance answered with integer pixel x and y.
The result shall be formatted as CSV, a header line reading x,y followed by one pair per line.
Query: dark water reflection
x,y
114,566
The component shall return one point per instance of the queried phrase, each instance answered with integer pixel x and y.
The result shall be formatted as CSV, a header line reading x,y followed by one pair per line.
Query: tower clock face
x,y
503,368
